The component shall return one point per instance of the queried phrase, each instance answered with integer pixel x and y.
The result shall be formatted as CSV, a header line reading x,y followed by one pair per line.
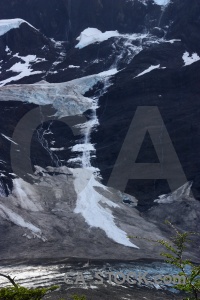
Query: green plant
x,y
77,297
174,256
17,292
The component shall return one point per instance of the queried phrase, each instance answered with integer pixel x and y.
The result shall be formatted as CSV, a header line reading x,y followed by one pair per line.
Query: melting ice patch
x,y
67,97
7,25
85,147
188,60
158,2
23,68
9,139
10,215
73,67
24,196
95,208
183,191
162,2
151,68
93,35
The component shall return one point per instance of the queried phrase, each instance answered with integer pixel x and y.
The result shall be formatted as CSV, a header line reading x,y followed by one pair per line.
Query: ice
x,y
89,205
8,24
67,97
57,149
9,215
93,35
188,60
183,191
158,2
73,67
151,68
24,196
162,2
24,69
9,139
2,190
83,147
173,41
8,50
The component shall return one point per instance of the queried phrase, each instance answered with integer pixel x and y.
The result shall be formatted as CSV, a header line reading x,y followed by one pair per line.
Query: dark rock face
x,y
170,91
169,88
19,43
151,72
65,19
186,22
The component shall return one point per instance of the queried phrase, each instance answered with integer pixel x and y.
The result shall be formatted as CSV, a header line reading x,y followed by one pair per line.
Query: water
x,y
48,274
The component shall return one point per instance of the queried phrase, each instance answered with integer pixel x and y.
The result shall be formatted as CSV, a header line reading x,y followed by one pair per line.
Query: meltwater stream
x,y
54,274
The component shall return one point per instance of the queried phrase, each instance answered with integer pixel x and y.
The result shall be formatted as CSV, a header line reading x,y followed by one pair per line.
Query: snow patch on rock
x,y
8,24
67,98
23,68
151,68
95,208
183,191
93,35
162,2
188,60
10,215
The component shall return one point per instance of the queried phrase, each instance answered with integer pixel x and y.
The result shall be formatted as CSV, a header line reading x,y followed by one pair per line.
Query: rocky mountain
x,y
99,118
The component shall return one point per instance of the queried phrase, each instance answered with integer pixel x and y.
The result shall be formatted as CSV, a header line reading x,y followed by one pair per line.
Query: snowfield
x,y
23,68
162,2
92,35
188,60
95,208
7,25
67,97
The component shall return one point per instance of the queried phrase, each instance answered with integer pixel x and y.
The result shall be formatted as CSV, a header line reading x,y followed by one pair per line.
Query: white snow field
x,y
93,35
188,60
8,24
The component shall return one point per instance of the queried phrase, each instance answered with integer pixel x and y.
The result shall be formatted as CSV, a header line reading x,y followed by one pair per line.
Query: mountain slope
x,y
72,80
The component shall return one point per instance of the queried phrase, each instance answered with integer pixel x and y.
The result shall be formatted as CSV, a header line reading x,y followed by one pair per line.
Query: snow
x,y
162,2
24,69
86,147
9,139
73,67
2,190
25,196
93,35
89,205
8,50
158,2
188,60
183,191
151,68
7,25
110,72
83,147
173,41
66,97
8,214
57,149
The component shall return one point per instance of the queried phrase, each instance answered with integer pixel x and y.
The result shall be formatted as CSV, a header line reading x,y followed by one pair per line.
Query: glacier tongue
x,y
67,98
95,208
